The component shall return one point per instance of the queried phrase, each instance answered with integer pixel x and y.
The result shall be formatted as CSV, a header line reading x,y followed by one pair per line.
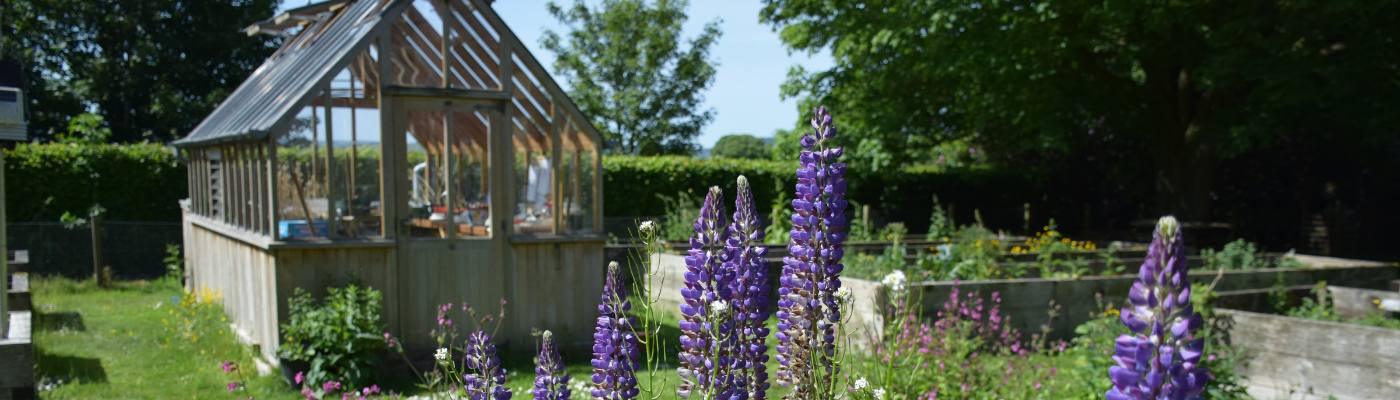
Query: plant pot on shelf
x,y
290,368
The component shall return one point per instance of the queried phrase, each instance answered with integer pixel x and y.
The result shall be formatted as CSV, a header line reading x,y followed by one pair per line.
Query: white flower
x,y
862,383
897,282
845,294
441,354
647,226
879,394
719,306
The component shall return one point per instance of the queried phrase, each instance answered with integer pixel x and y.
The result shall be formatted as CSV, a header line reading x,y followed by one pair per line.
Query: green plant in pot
x,y
335,340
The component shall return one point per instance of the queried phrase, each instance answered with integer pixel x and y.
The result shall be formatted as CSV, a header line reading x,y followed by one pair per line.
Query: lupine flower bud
x,y
708,344
486,380
551,382
615,345
1160,363
808,309
750,286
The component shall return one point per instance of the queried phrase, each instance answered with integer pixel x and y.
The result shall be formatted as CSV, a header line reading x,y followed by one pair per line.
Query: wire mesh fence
x,y
134,250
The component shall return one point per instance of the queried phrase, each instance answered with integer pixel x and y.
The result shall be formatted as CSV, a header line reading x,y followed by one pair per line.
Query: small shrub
x,y
338,337
1236,255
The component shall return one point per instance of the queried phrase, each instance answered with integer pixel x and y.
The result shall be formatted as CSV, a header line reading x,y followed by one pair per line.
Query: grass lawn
x,y
150,340
133,341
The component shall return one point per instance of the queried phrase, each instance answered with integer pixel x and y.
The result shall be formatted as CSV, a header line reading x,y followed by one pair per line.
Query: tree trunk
x,y
1185,172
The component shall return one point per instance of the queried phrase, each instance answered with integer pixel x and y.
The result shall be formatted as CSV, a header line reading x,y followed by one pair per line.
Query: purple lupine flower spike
x,y
615,345
807,306
708,345
1160,359
750,286
551,382
486,380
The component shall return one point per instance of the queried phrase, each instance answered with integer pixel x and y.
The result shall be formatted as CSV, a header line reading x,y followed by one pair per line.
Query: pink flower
x,y
1210,357
228,366
329,386
300,376
232,386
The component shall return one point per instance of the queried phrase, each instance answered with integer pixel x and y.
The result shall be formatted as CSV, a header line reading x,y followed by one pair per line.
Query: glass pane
x,y
533,175
576,171
316,187
447,175
356,119
301,177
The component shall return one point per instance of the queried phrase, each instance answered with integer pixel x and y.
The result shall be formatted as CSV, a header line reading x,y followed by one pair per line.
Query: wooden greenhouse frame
x,y
278,201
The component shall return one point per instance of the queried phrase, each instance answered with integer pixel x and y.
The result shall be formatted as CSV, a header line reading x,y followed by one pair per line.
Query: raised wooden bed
x,y
1315,358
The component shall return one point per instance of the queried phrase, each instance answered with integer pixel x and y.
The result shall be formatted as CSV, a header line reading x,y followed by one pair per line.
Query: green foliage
x,y
860,229
1323,310
627,70
151,69
86,128
740,146
874,267
134,182
1236,255
339,336
780,218
174,264
974,254
1181,85
939,224
681,213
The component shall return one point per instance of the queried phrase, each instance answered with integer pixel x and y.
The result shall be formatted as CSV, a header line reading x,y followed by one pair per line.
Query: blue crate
x,y
296,228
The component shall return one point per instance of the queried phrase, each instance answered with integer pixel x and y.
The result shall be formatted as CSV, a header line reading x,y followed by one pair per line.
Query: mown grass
x,y
136,340
150,340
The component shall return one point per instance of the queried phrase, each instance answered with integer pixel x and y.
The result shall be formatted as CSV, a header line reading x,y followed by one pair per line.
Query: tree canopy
x,y
152,69
740,146
626,69
1180,85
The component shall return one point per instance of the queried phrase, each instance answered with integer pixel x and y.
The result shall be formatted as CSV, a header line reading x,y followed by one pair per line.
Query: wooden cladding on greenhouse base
x,y
486,184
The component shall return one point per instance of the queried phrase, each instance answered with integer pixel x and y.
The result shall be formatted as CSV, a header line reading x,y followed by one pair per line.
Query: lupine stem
x,y
1163,361
707,339
651,281
615,345
809,312
751,289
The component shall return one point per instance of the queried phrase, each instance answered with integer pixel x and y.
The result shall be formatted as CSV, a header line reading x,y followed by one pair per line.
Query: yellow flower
x,y
112,331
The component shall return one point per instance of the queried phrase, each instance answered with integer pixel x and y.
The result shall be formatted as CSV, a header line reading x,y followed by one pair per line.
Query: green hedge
x,y
143,182
136,182
632,186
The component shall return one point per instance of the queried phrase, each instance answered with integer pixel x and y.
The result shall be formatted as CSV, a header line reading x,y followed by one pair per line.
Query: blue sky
x,y
752,61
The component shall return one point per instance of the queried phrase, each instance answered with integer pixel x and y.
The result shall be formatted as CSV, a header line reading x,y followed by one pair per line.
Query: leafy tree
x,y
1181,85
152,69
740,146
627,71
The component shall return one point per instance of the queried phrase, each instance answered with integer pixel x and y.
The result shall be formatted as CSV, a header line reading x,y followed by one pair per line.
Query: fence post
x,y
97,249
